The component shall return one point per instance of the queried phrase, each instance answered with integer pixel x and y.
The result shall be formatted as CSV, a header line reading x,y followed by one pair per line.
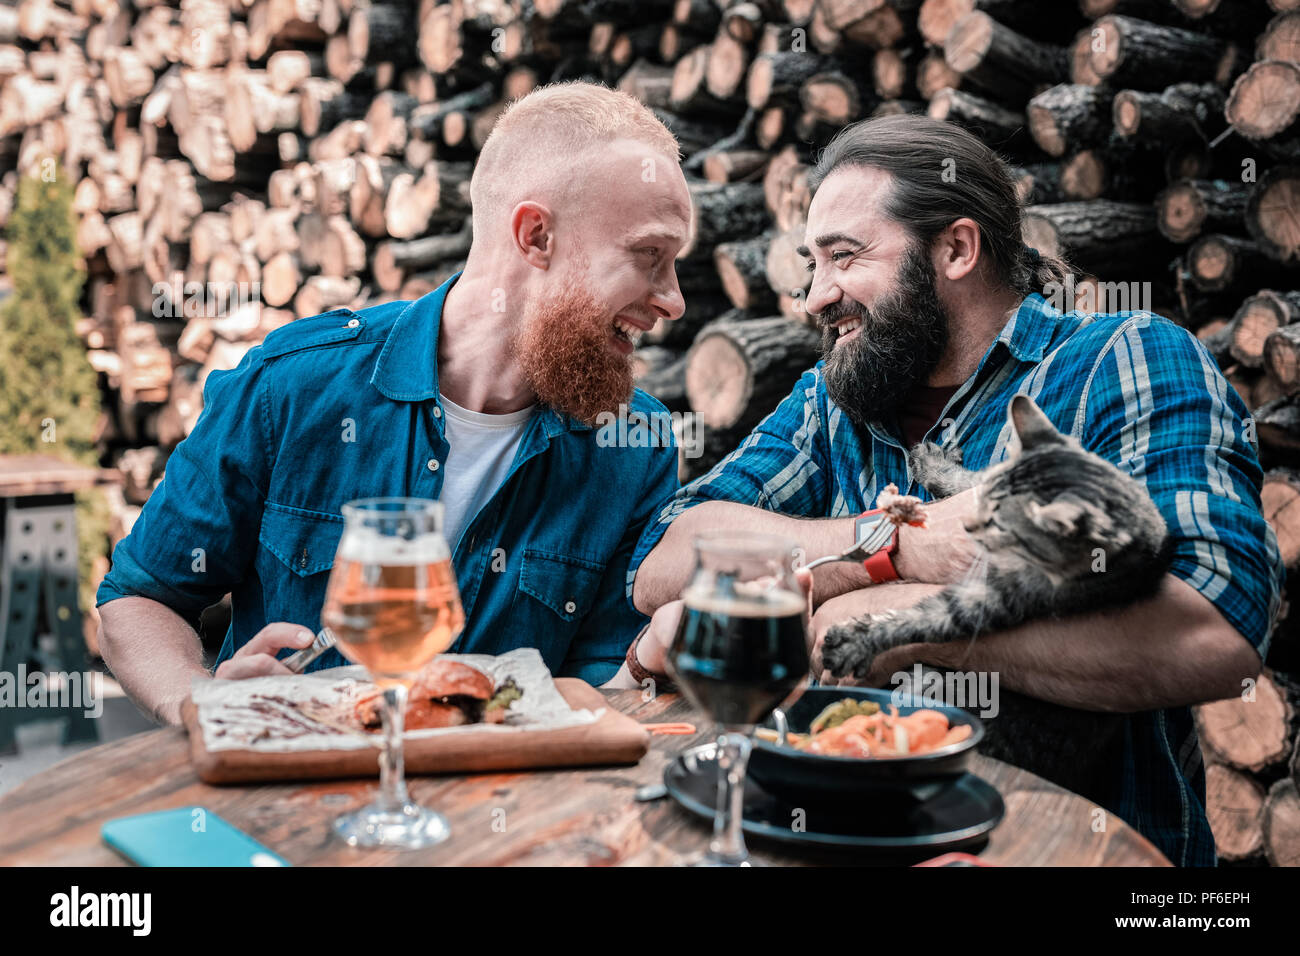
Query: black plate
x,y
806,778
959,816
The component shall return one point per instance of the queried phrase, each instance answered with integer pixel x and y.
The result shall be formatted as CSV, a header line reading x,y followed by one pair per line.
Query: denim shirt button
x,y
433,464
569,607
437,412
352,324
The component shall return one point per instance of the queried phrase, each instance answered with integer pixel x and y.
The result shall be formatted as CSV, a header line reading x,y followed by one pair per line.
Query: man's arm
x,y
191,544
152,653
1172,650
155,655
779,473
1207,628
668,567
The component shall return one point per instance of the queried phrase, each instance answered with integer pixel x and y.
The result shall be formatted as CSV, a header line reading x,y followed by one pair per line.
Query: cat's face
x,y
1057,506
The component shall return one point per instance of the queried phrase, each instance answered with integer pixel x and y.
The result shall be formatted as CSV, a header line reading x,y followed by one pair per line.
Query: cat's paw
x,y
847,649
937,467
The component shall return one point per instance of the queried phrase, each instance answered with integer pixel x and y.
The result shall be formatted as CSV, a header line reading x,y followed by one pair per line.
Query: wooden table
x,y
584,816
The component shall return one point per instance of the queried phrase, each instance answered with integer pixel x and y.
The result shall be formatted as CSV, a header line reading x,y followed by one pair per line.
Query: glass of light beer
x,y
393,605
740,651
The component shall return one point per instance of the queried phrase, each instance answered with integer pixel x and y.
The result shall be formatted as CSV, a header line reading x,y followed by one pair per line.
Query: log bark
x,y
1000,60
742,268
836,97
738,370
1282,823
1273,214
998,127
1069,117
394,260
1277,426
662,373
1095,234
1186,209
1183,111
1260,316
776,78
1282,357
722,212
1148,56
1216,262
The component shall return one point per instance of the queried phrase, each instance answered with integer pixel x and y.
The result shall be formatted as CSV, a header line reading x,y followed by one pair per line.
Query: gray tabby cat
x,y
1060,531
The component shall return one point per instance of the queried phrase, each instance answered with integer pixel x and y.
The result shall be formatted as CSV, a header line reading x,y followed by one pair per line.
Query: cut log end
x,y
1234,805
718,381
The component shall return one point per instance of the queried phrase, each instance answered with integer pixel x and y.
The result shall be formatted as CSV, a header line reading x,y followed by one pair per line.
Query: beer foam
x,y
776,602
367,546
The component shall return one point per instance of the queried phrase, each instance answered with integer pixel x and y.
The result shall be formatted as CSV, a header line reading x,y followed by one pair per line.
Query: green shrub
x,y
49,394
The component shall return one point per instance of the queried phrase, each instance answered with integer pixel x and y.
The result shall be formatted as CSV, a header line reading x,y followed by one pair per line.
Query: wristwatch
x,y
639,673
880,566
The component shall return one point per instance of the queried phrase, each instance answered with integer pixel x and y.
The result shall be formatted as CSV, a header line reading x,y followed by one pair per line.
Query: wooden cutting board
x,y
614,738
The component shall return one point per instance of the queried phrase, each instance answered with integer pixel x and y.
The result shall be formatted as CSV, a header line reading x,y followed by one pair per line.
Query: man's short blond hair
x,y
543,143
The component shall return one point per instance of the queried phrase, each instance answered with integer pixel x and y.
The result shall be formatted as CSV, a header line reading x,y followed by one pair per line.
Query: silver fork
x,y
298,660
875,539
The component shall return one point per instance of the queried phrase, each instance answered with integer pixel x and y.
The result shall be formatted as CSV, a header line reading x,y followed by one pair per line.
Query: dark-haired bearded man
x,y
934,315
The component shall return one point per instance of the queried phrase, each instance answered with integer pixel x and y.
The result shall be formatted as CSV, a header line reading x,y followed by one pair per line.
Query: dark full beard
x,y
563,348
900,343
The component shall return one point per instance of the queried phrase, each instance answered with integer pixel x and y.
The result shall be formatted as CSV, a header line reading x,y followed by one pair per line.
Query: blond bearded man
x,y
481,394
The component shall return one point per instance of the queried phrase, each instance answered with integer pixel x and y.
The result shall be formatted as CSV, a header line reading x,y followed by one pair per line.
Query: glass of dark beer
x,y
740,651
393,605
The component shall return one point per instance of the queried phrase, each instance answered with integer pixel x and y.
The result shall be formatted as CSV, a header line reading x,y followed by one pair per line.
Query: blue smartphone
x,y
186,836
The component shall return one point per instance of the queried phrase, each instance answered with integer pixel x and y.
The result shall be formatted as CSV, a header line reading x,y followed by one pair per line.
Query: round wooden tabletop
x,y
580,816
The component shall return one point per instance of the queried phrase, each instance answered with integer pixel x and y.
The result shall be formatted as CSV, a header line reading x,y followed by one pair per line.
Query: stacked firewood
x,y
242,163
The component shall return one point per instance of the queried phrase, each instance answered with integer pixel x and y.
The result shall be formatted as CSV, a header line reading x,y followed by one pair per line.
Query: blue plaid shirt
x,y
1135,389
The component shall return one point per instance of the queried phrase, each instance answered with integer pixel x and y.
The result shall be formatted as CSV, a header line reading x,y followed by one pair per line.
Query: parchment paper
x,y
312,712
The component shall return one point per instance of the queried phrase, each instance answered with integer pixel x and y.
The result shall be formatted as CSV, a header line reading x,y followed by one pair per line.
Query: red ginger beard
x,y
563,347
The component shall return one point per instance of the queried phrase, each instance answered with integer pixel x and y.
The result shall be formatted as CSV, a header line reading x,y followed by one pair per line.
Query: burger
x,y
446,693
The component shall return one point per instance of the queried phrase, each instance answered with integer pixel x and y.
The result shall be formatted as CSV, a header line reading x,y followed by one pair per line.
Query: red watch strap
x,y
880,566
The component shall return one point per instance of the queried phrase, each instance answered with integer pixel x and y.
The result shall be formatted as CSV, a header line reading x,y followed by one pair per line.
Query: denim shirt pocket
x,y
296,551
566,587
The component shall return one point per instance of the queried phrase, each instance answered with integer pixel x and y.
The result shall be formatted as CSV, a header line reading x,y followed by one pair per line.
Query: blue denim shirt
x,y
345,405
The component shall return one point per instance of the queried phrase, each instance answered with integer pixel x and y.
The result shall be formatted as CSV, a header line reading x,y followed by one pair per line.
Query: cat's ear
x,y
1030,425
1061,517
1072,517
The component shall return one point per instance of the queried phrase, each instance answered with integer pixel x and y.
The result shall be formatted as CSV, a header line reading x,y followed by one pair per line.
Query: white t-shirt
x,y
482,450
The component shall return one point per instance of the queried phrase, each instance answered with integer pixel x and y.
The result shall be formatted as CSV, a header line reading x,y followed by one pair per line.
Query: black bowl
x,y
814,778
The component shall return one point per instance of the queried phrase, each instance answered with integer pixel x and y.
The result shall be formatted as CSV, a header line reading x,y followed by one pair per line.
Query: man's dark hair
x,y
915,151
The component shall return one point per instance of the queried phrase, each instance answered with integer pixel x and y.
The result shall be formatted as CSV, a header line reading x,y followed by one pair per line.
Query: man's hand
x,y
257,657
943,551
652,652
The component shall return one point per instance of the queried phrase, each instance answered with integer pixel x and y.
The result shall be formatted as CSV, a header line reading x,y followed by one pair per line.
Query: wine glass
x,y
393,605
739,652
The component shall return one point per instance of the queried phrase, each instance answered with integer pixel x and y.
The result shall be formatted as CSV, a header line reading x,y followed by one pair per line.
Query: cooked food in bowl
x,y
846,744
859,728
